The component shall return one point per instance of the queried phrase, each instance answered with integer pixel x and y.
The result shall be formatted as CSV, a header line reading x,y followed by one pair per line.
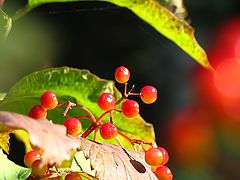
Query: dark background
x,y
100,36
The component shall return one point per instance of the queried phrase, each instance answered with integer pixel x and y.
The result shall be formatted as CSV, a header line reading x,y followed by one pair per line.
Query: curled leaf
x,y
106,161
169,25
167,17
43,134
4,140
113,162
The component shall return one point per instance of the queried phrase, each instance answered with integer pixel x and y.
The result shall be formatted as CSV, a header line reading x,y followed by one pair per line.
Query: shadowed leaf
x,y
113,162
43,134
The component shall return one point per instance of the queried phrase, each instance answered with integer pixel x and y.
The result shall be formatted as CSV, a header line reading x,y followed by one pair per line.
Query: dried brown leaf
x,y
114,162
43,134
108,161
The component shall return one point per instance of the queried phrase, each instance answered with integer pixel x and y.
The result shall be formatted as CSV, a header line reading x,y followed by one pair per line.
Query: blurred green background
x,y
197,115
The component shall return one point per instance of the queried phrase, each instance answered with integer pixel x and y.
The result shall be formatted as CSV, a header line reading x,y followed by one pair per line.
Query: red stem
x,y
69,105
92,118
135,141
95,134
89,130
125,136
83,117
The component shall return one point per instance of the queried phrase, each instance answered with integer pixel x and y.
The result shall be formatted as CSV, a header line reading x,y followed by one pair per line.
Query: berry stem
x,y
135,141
69,106
92,118
103,115
95,134
119,142
110,114
120,100
125,89
134,94
89,130
126,137
83,117
126,94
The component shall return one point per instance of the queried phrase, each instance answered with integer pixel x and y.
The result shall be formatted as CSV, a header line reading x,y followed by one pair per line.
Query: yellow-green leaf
x,y
4,141
5,24
165,22
170,25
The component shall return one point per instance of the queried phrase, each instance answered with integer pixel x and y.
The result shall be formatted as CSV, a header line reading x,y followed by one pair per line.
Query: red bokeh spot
x,y
190,135
227,78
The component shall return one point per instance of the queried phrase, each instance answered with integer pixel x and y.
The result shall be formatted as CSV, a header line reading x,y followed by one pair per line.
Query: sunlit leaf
x,y
169,23
5,24
2,95
10,170
78,86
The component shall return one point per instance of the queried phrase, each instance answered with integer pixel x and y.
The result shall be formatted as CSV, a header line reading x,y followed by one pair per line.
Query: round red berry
x,y
74,126
154,157
108,130
163,173
30,157
148,94
130,108
165,155
49,100
38,112
73,176
39,169
122,74
106,101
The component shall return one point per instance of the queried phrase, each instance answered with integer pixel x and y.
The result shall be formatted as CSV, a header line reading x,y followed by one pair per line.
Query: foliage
x,y
165,16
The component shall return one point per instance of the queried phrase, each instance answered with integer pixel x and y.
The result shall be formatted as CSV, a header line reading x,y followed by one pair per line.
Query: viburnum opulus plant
x,y
155,156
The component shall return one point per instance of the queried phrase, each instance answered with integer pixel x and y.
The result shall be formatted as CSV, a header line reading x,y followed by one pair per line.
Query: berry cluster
x,y
32,159
156,157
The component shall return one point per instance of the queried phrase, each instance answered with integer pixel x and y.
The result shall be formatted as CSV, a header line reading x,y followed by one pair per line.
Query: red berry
x,y
165,155
106,101
49,100
122,74
154,157
148,94
108,130
38,112
73,176
30,157
163,173
74,126
39,169
130,108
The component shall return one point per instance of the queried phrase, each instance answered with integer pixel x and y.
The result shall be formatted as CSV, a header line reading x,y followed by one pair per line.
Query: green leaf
x,y
80,163
2,95
5,24
10,170
170,25
78,86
